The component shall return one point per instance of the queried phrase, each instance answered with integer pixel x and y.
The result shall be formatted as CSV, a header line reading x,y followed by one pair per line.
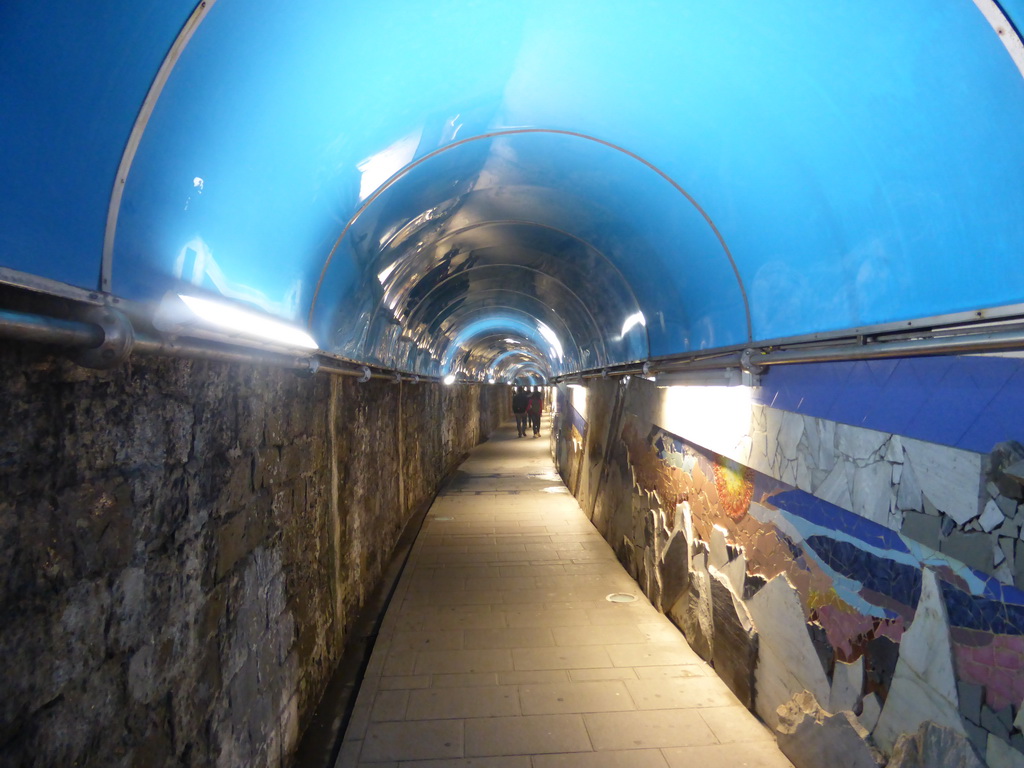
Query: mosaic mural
x,y
738,558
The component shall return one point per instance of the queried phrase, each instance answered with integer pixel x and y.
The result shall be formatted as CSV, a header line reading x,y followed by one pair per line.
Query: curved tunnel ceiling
x,y
630,180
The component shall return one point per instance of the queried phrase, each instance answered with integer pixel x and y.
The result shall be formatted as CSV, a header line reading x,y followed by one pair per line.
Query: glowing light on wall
x,y
718,418
632,322
228,317
578,395
449,379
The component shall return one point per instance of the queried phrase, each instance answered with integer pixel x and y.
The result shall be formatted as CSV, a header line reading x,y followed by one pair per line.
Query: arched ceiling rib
x,y
567,313
728,172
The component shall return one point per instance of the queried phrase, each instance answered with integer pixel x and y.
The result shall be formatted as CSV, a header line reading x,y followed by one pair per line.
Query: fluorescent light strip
x,y
232,318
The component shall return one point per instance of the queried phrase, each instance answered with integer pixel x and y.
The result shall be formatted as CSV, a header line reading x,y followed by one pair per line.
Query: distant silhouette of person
x,y
533,408
519,401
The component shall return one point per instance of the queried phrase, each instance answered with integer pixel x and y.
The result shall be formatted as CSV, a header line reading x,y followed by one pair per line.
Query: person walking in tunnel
x,y
519,402
534,406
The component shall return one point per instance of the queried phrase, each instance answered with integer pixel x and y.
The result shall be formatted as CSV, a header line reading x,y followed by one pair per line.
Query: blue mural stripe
x,y
835,518
981,612
900,582
968,402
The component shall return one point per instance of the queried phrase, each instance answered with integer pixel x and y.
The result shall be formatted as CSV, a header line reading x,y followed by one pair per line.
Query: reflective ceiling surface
x,y
529,188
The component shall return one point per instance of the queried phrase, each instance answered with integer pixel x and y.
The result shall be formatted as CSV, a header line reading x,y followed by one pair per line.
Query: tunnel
x,y
270,272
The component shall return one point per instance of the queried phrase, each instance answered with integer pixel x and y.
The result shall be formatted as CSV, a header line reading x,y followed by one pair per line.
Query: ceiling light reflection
x,y
229,317
632,321
556,344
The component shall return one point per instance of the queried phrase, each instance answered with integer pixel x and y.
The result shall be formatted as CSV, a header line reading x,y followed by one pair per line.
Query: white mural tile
x,y
909,494
872,489
812,440
1001,755
759,451
1016,471
773,424
897,473
924,685
719,555
858,443
735,573
788,474
744,447
836,487
870,711
826,444
790,432
950,477
787,661
847,684
804,479
894,450
758,418
991,518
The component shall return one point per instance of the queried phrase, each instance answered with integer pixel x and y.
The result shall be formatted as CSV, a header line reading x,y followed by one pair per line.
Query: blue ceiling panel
x,y
681,175
72,81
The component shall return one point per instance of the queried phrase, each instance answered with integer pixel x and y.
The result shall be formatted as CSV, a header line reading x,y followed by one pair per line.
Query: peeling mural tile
x,y
924,685
948,476
847,685
734,654
870,711
999,754
810,736
933,746
788,662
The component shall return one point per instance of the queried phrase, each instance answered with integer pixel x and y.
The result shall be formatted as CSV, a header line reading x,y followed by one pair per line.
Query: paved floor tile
x,y
446,662
464,680
544,618
731,724
389,705
413,740
533,677
757,755
471,762
614,634
500,649
441,703
681,692
533,735
634,758
404,682
509,637
422,640
560,658
610,673
650,655
674,670
649,729
561,698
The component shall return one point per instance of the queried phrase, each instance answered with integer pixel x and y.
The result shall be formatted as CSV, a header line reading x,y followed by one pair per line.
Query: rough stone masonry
x,y
183,545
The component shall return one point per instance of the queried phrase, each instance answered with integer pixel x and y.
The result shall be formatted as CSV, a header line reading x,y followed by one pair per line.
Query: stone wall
x,y
875,570
184,544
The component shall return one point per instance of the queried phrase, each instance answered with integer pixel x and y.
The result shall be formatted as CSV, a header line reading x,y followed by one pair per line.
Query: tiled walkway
x,y
500,649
